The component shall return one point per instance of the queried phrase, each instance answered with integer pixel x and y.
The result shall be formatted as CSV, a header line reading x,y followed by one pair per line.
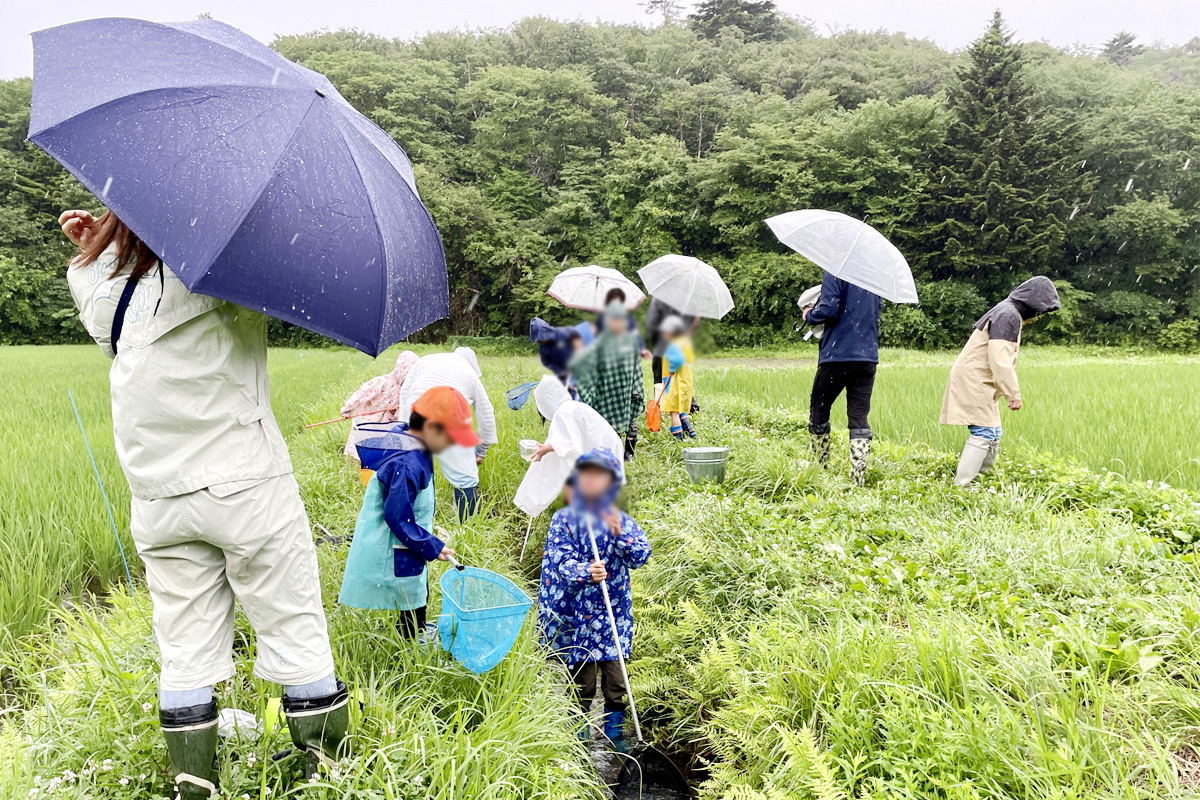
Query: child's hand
x,y
598,572
1014,405
542,451
445,554
612,518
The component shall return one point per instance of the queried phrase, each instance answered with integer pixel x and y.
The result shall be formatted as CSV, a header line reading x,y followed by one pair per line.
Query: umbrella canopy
x,y
584,288
848,248
249,175
688,285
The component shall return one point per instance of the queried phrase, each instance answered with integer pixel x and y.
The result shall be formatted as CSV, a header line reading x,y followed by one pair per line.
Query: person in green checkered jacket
x,y
608,375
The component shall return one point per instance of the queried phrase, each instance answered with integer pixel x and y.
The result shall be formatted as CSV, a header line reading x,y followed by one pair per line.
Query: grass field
x,y
1038,637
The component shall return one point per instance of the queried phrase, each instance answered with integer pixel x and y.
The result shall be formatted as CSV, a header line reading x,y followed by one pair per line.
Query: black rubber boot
x,y
318,726
191,735
630,447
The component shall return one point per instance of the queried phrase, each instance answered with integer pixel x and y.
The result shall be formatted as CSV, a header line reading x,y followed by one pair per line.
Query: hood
x,y
1035,297
468,355
404,362
586,332
603,457
377,443
549,396
542,331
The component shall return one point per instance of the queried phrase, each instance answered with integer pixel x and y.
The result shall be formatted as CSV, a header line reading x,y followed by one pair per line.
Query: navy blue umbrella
x,y
249,175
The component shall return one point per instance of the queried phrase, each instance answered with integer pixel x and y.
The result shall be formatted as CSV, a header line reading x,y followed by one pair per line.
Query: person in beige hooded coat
x,y
985,371
216,514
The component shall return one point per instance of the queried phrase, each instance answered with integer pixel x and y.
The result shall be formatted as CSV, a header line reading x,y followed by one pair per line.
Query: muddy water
x,y
609,765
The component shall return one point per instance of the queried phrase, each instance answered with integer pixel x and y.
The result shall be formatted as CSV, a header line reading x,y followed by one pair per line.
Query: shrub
x,y
1182,335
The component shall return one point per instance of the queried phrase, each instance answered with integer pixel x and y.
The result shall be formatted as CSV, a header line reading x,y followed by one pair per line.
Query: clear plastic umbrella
x,y
585,288
848,248
688,285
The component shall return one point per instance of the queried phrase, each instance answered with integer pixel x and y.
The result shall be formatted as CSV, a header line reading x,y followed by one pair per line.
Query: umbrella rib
x,y
383,241
271,175
200,88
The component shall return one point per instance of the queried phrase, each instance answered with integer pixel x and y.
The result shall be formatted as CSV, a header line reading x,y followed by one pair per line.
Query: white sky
x,y
952,23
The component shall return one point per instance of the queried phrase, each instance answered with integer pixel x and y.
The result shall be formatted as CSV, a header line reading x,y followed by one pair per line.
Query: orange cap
x,y
447,407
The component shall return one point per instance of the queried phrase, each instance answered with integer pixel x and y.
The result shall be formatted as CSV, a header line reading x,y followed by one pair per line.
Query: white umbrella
x,y
688,285
585,288
848,248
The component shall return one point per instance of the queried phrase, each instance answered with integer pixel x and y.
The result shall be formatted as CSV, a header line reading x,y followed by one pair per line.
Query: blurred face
x,y
577,343
593,482
615,323
436,438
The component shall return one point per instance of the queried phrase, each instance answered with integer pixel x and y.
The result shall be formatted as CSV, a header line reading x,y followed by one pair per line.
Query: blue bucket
x,y
482,615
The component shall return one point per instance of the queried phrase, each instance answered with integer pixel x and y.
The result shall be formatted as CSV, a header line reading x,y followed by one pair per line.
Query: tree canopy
x,y
552,144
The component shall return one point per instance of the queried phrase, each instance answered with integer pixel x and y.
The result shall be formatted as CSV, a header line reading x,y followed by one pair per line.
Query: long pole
x,y
108,506
612,621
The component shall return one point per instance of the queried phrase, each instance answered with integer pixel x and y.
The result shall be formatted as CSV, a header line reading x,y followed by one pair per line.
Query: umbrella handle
x,y
612,622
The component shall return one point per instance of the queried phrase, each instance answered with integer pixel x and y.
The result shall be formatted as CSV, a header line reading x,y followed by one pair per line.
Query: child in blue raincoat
x,y
571,615
393,538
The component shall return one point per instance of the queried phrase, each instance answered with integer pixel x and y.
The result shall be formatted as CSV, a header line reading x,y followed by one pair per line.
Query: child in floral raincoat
x,y
571,614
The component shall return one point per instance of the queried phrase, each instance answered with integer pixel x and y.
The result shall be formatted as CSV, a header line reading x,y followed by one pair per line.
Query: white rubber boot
x,y
970,463
990,459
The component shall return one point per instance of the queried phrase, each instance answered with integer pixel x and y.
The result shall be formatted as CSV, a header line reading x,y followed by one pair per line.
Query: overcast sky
x,y
951,23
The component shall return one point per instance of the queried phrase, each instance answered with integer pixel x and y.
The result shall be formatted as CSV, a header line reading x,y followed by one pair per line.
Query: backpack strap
x,y
122,307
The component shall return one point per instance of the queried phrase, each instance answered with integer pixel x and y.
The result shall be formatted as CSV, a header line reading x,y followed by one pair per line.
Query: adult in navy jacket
x,y
848,357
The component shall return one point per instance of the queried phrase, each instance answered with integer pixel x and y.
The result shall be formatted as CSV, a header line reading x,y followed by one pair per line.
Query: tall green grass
x,y
82,692
1133,415
1035,637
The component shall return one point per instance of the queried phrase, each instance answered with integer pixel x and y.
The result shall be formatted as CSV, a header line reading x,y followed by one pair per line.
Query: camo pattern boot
x,y
820,447
860,454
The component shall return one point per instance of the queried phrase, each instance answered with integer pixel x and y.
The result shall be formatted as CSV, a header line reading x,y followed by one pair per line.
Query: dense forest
x,y
553,144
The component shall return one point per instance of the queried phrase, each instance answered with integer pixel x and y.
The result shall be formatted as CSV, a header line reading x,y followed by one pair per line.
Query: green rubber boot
x,y
191,735
318,726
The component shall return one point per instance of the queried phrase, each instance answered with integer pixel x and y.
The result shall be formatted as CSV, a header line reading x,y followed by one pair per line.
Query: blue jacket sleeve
x,y
632,546
401,482
563,554
833,299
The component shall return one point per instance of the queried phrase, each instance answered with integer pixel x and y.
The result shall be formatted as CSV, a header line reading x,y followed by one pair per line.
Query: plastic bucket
x,y
705,463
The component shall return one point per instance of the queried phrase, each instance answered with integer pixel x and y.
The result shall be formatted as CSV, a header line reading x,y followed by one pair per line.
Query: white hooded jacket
x,y
575,428
191,404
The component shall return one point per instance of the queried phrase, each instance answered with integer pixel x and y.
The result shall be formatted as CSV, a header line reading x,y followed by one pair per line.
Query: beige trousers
x,y
248,541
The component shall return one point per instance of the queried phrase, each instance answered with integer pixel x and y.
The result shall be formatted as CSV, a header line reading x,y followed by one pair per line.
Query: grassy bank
x,y
1038,637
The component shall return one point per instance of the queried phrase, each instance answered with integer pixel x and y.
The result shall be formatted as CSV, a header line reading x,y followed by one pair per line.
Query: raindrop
x,y
107,186
1187,163
275,77
1074,211
194,221
1122,247
1129,185
295,236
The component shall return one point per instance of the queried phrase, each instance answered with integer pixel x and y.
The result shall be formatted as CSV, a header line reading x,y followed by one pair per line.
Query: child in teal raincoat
x,y
393,538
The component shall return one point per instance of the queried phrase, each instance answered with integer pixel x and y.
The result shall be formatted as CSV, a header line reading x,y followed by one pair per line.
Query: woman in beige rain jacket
x,y
986,370
216,514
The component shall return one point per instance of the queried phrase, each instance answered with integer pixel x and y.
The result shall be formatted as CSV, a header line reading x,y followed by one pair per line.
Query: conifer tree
x,y
1002,187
